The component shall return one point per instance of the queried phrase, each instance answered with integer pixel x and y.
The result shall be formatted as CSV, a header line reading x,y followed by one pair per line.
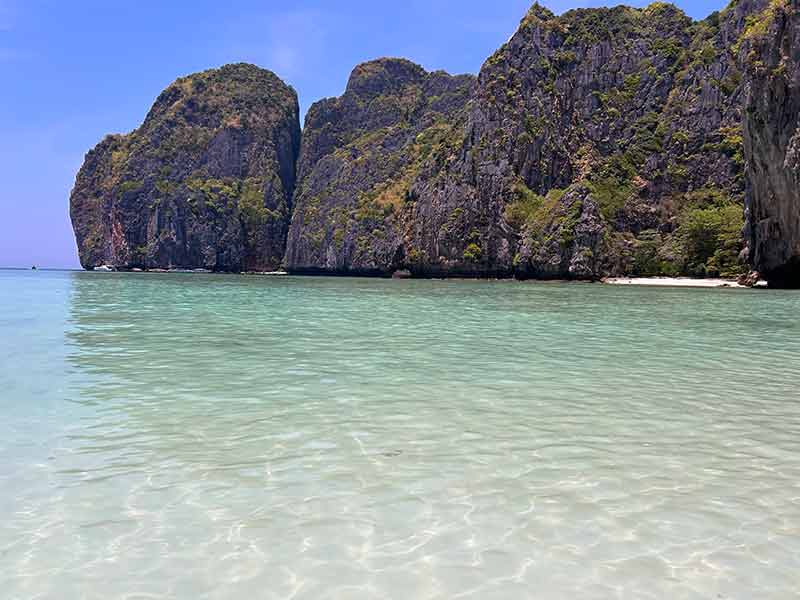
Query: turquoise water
x,y
192,436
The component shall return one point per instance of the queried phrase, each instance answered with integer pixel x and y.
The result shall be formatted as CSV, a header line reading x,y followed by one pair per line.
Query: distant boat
x,y
33,268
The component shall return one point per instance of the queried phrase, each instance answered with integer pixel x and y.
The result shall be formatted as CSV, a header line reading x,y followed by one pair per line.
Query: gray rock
x,y
771,55
206,182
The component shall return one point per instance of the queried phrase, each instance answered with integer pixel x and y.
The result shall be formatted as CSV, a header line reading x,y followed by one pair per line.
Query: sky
x,y
74,71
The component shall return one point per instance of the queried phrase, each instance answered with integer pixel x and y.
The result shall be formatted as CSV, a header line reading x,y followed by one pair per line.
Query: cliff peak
x,y
537,13
382,75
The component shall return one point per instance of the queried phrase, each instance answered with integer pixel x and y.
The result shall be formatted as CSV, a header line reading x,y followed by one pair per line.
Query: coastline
x,y
683,282
674,282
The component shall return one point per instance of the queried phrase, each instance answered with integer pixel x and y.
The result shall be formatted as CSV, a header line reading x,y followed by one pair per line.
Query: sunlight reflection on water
x,y
193,436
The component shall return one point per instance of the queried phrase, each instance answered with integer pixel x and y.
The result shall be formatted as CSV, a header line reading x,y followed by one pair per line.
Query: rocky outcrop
x,y
770,51
205,182
598,142
602,141
640,108
359,155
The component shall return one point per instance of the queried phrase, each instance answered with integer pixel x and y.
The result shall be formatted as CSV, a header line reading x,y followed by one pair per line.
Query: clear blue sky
x,y
74,70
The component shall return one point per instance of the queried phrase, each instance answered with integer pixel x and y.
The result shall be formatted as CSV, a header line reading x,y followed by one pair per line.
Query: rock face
x,y
598,142
359,155
205,182
602,141
770,50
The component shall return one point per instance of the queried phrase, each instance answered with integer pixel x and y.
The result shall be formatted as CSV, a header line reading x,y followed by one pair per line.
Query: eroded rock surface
x,y
601,141
205,182
770,52
359,156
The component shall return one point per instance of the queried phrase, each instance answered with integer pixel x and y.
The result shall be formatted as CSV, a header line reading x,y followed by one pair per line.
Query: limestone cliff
x,y
359,155
770,51
601,141
607,141
205,182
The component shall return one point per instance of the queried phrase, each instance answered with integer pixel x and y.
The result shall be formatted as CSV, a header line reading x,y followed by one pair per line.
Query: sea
x,y
202,436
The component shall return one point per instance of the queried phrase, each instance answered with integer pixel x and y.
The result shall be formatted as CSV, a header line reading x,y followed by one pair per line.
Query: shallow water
x,y
192,436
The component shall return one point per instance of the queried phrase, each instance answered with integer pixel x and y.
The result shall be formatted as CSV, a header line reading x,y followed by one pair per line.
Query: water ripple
x,y
189,436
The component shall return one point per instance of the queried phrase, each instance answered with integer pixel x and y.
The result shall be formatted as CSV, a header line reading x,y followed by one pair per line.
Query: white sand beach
x,y
673,282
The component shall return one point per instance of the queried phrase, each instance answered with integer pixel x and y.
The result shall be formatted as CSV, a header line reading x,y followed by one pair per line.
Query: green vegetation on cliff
x,y
205,182
602,141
